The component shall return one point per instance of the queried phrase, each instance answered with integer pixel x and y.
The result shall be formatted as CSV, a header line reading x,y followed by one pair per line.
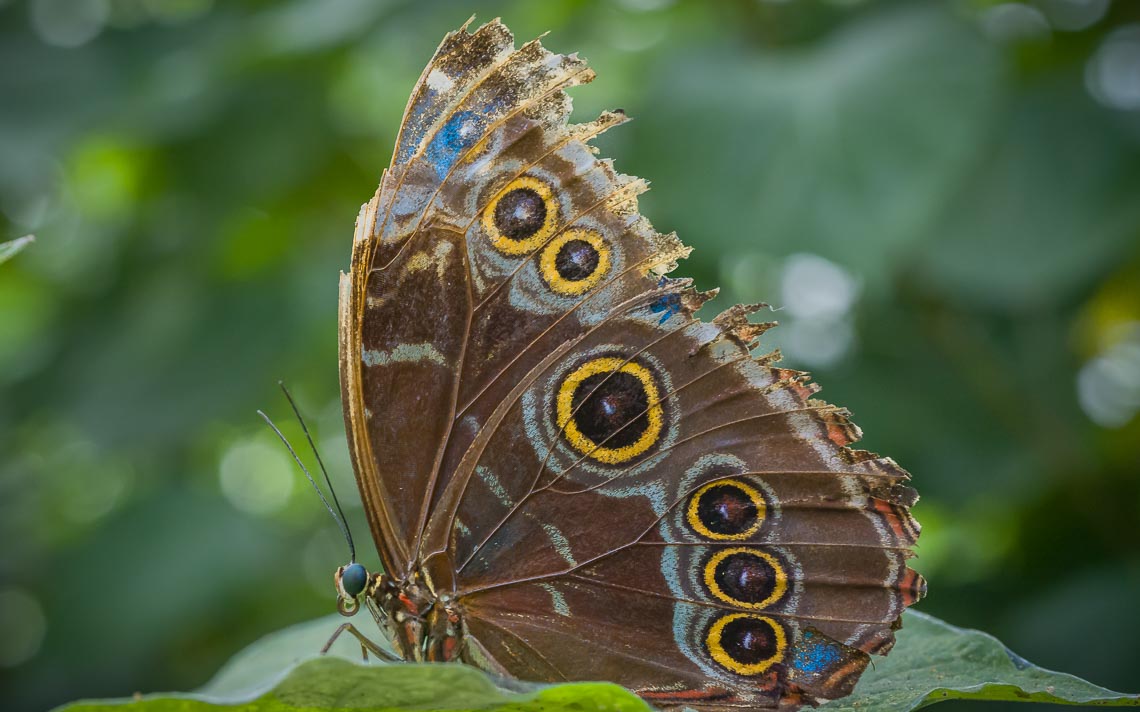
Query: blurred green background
x,y
943,198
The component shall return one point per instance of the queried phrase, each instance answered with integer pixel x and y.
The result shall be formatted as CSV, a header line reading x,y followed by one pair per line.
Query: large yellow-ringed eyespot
x,y
726,510
749,578
745,643
575,261
609,409
522,216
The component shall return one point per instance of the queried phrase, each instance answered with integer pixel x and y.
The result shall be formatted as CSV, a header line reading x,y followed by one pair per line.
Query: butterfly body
x,y
567,475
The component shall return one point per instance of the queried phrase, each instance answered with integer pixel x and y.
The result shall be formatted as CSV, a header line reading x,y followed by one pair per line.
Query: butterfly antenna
x,y
325,472
338,513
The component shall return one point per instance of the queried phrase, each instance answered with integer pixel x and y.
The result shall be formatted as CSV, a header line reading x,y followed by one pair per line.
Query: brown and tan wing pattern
x,y
608,487
691,511
407,307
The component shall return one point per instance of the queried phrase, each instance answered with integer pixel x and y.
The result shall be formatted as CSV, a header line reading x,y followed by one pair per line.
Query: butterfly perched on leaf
x,y
567,475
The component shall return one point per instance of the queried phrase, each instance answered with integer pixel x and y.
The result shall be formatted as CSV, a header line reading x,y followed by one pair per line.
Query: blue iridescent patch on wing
x,y
816,654
462,131
670,304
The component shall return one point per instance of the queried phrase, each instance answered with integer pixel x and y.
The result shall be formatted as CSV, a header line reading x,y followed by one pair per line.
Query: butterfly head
x,y
351,582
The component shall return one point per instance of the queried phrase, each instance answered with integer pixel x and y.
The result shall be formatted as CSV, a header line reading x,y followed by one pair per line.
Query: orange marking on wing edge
x,y
891,516
842,677
912,586
839,435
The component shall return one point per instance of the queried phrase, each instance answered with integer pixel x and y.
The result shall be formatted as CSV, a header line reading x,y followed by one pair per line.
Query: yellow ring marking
x,y
777,591
572,287
719,654
506,245
583,444
693,514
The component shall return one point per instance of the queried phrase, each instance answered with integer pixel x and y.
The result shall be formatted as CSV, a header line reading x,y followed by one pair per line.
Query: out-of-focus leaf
x,y
1035,227
261,664
847,149
9,249
933,661
281,673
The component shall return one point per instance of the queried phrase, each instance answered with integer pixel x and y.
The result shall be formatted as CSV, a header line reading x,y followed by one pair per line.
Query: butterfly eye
x,y
746,644
575,261
610,409
353,579
726,510
521,217
748,578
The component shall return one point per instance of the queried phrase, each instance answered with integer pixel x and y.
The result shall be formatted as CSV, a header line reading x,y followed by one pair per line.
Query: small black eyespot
x,y
727,510
520,213
353,579
749,640
612,409
576,260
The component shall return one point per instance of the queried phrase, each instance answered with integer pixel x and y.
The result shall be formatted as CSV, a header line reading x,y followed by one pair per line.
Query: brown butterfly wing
x,y
612,489
406,308
603,566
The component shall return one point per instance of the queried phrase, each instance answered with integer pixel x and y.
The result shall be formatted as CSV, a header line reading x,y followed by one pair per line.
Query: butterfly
x,y
567,475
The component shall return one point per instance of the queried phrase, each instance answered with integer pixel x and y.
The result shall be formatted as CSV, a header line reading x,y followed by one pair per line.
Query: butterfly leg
x,y
366,644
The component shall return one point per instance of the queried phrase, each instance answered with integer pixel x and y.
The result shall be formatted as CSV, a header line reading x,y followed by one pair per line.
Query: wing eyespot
x,y
746,577
726,510
746,643
609,409
575,262
522,216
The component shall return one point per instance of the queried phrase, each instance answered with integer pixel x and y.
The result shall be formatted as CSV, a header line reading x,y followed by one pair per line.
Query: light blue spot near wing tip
x,y
816,654
460,133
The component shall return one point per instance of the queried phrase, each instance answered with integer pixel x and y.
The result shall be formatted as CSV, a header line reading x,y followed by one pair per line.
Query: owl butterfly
x,y
567,475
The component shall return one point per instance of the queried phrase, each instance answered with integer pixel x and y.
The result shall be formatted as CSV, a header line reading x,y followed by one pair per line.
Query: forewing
x,y
407,306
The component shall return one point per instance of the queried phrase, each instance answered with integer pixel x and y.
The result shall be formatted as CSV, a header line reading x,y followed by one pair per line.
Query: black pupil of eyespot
x,y
610,408
749,640
726,509
520,213
746,577
576,260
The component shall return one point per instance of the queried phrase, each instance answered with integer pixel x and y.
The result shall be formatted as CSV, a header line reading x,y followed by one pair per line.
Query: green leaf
x,y
932,661
282,672
9,249
935,661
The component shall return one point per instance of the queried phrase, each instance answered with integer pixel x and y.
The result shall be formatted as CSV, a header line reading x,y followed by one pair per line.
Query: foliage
x,y
932,662
938,195
9,249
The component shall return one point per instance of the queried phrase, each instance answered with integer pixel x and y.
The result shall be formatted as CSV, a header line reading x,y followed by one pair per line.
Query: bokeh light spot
x,y
818,343
23,622
256,477
1108,386
1112,76
1074,15
105,178
818,296
69,23
1015,22
813,287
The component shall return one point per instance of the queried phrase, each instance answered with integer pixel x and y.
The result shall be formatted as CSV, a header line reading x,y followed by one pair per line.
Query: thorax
x,y
421,625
